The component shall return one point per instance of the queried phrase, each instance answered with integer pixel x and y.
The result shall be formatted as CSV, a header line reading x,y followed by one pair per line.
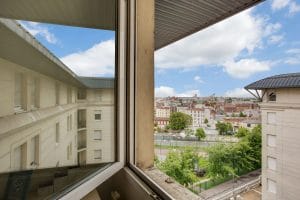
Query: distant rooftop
x,y
291,80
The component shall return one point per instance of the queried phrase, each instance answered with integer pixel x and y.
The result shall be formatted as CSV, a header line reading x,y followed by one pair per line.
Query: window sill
x,y
173,188
82,189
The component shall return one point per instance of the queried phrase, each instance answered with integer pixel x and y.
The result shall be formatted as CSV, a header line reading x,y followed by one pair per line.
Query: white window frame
x,y
86,187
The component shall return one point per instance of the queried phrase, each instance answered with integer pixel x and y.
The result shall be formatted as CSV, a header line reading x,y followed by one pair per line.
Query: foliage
x,y
189,132
242,114
234,159
180,165
200,133
242,132
224,128
179,121
205,121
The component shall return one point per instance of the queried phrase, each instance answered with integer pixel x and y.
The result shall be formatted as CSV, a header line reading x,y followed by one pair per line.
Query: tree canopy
x,y
242,132
179,121
200,133
224,128
180,165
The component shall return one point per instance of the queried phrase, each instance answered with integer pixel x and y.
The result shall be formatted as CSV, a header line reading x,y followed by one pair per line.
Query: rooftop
x,y
291,80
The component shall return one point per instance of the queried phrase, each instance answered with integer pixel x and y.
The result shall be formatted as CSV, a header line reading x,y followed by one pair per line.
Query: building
x,y
47,121
280,107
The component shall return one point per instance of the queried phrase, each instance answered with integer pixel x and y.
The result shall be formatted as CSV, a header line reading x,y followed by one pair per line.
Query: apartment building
x,y
198,115
47,121
280,103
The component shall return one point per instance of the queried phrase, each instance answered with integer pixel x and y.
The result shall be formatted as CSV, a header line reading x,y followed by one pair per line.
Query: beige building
x,y
49,116
280,108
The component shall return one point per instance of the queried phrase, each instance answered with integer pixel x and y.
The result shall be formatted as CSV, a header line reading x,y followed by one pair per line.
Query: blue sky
x,y
222,59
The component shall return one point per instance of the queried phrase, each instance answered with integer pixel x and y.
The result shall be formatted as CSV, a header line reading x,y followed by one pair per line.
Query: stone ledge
x,y
173,188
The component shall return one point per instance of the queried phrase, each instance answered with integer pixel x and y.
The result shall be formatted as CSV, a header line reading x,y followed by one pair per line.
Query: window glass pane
x,y
59,96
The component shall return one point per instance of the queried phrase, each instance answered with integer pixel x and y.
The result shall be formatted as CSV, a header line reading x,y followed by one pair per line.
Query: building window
x,y
20,157
69,122
57,93
271,163
19,92
271,185
272,96
69,95
34,92
271,140
98,95
97,135
69,151
98,115
57,133
98,154
81,94
34,151
271,118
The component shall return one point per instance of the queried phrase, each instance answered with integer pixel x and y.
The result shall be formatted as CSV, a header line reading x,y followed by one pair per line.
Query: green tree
x,y
200,133
180,165
242,132
242,114
179,121
254,141
224,128
205,121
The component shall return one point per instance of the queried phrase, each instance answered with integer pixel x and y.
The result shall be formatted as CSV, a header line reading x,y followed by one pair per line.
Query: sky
x,y
221,59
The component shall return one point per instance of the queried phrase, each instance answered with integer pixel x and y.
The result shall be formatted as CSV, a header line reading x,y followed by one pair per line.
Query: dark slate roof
x,y
279,81
97,82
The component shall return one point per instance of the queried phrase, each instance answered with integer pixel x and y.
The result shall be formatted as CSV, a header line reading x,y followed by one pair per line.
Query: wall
x,y
285,127
19,128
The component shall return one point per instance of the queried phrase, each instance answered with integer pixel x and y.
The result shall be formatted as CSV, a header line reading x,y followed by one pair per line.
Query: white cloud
x,y
36,29
291,5
275,39
293,57
220,43
198,79
237,92
279,4
246,67
165,91
215,44
99,60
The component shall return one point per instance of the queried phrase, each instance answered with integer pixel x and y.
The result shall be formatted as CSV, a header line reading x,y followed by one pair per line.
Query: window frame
x,y
82,189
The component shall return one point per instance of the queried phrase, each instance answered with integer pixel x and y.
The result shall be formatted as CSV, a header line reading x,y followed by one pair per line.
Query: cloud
x,y
275,39
215,44
38,29
220,43
165,91
198,79
291,5
293,57
99,60
238,92
246,67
